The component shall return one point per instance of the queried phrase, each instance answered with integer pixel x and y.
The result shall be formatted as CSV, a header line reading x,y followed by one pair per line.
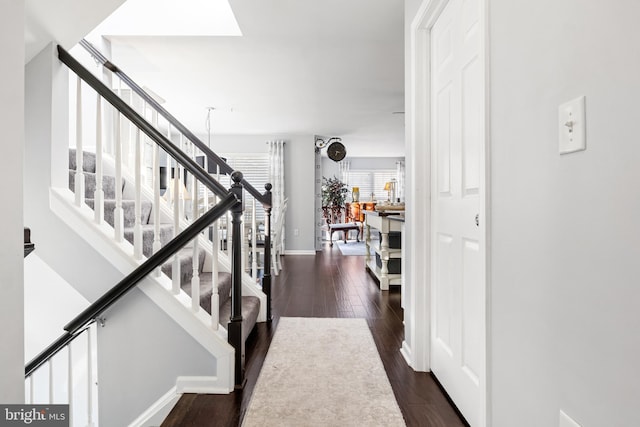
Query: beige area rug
x,y
323,372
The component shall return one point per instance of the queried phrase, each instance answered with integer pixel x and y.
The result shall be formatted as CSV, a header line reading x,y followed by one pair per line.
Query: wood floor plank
x,y
329,285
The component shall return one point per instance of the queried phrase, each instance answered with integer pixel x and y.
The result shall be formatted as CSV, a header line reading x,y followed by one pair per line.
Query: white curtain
x,y
276,178
345,168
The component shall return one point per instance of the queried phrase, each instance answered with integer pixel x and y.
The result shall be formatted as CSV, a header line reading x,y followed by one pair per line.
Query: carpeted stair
x,y
250,304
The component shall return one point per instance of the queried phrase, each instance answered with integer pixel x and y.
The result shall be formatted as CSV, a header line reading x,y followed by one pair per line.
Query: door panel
x,y
457,144
444,137
444,292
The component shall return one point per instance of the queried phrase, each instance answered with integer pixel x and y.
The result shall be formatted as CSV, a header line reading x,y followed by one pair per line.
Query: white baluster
x,y
118,215
79,178
89,379
131,128
70,383
156,200
215,297
228,234
50,364
195,279
254,234
98,195
137,228
31,389
245,245
175,273
180,194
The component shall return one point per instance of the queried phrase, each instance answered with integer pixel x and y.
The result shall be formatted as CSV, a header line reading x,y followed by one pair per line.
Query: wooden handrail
x,y
88,316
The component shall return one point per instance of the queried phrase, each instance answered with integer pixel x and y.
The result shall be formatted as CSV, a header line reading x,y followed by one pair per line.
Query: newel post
x,y
235,322
266,278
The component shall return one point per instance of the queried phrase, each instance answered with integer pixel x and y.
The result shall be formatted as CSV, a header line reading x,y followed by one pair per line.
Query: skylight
x,y
170,18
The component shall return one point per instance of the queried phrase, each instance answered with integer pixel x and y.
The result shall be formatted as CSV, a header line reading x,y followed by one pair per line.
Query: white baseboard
x,y
299,252
155,414
406,353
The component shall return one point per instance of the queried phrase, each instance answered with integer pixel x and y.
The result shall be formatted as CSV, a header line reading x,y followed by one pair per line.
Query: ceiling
x,y
303,67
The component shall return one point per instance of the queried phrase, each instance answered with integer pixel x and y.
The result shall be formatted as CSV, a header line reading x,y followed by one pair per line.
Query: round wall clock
x,y
336,151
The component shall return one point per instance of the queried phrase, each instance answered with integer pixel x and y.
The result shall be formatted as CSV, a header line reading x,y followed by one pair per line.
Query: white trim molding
x,y
155,414
299,252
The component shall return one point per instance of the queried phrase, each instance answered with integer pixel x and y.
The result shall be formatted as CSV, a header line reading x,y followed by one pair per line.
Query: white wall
x,y
299,180
46,296
564,289
11,221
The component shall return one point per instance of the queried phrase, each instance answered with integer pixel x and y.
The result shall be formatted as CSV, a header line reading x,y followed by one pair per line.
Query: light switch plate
x,y
566,421
572,126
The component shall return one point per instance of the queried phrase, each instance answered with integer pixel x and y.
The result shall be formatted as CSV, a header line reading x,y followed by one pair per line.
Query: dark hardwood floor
x,y
328,285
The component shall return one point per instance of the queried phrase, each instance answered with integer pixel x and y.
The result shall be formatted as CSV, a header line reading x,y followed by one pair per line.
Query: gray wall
x,y
11,221
564,286
299,180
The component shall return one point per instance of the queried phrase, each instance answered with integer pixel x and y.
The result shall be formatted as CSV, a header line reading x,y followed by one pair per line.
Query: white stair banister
x,y
118,212
50,364
195,279
98,195
79,177
175,271
89,381
137,229
254,233
215,245
31,389
156,197
70,383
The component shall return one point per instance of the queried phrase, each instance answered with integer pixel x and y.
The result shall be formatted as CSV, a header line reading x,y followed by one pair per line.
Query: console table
x,y
382,222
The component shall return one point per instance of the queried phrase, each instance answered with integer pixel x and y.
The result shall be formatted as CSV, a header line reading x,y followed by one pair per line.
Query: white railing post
x,y
118,215
254,235
70,383
157,244
79,178
195,278
31,389
98,195
228,234
215,244
89,379
175,271
245,245
50,363
137,228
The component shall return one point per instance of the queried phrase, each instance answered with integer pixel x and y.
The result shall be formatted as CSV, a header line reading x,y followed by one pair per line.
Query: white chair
x,y
276,242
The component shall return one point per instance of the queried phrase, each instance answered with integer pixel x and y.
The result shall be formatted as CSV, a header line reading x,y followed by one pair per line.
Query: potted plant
x,y
334,194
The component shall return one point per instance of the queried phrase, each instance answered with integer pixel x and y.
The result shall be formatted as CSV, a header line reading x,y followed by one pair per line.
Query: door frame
x,y
417,348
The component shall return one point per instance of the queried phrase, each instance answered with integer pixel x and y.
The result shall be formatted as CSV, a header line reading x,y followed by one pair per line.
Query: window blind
x,y
371,182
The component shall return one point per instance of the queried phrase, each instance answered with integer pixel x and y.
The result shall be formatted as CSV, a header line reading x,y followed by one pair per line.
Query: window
x,y
370,182
255,169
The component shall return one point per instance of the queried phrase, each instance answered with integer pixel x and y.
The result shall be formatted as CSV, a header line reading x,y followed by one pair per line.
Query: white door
x,y
457,144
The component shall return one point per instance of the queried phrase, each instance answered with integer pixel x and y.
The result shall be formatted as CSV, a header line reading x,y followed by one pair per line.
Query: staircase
x,y
189,305
250,304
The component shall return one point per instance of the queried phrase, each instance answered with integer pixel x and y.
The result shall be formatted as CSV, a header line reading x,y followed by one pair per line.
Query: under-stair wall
x,y
142,350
